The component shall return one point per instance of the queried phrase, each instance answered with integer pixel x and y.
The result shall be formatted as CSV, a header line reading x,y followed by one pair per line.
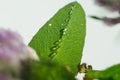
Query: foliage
x,y
61,39
111,73
59,45
46,70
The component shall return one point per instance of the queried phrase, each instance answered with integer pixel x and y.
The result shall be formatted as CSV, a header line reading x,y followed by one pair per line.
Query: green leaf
x,y
45,70
111,73
61,39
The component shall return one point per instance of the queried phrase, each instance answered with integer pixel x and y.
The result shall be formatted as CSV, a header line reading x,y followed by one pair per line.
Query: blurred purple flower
x,y
111,21
107,20
13,53
113,5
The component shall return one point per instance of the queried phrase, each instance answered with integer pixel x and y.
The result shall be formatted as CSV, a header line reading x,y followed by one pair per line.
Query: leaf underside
x,y
61,39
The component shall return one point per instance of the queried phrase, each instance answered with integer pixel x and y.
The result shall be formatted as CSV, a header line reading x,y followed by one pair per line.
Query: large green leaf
x,y
111,73
62,38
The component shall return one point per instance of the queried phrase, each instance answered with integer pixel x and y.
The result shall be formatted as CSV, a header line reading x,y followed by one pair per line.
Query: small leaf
x,y
111,73
62,37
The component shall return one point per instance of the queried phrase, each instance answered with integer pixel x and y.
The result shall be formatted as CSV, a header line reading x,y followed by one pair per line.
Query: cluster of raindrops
x,y
62,33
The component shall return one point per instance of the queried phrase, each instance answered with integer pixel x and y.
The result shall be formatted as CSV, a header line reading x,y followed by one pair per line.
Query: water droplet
x,y
64,33
72,7
49,24
56,43
54,48
65,30
67,20
70,12
57,46
62,24
53,54
60,40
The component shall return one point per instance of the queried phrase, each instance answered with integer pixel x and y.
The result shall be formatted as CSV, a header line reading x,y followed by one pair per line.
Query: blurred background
x,y
102,45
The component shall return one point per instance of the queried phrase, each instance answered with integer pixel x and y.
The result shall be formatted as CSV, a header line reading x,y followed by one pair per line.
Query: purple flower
x,y
107,20
111,21
13,52
4,76
113,5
